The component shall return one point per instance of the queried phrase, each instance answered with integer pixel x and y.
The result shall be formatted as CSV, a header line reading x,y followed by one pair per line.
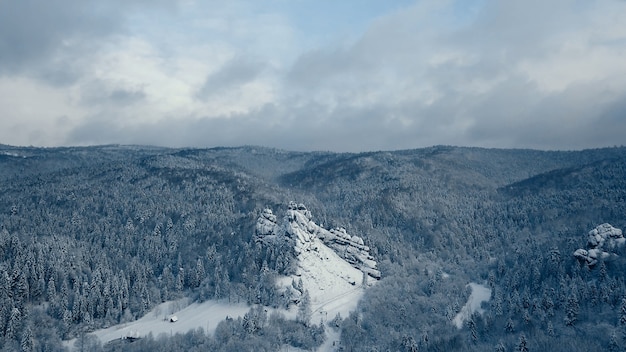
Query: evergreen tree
x,y
471,326
510,326
522,345
571,310
500,347
27,342
550,329
613,343
304,309
14,324
622,313
409,344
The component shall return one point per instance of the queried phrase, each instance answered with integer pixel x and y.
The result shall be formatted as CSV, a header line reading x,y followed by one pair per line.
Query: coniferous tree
x,y
27,342
500,347
571,310
522,345
304,309
613,343
622,313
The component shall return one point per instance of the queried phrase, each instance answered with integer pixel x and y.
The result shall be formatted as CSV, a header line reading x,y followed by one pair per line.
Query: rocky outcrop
x,y
601,241
298,227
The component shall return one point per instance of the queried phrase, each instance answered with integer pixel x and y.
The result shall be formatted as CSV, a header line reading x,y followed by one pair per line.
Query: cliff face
x,y
298,228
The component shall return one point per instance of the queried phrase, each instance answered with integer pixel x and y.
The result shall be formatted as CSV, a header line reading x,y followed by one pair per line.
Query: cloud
x,y
518,74
482,72
53,39
235,73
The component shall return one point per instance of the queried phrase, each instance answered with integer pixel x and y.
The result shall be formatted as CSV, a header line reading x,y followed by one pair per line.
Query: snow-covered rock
x,y
333,267
600,242
297,226
266,224
605,236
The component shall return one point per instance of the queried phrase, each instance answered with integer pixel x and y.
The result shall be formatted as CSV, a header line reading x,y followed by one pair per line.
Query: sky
x,y
346,76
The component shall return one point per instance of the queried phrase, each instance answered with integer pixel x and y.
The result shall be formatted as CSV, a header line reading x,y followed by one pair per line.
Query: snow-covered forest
x,y
93,237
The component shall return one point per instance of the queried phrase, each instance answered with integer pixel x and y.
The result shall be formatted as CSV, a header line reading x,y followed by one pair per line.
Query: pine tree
x,y
180,281
622,312
571,310
550,329
199,273
613,345
409,344
500,347
522,345
14,323
27,342
304,309
509,327
471,325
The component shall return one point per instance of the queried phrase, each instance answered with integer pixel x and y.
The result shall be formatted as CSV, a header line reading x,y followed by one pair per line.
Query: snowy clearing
x,y
204,315
479,295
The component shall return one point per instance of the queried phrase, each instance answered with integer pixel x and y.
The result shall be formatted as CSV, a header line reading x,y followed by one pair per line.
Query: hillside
x,y
91,237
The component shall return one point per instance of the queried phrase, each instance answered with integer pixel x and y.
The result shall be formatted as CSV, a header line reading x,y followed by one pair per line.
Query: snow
x,y
332,341
334,285
204,315
479,295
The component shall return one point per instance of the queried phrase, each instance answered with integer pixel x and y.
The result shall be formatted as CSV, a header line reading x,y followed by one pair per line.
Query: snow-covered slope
x,y
298,228
334,283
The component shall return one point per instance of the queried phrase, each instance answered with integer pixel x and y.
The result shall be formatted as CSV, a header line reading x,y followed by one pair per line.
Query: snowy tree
x,y
571,310
471,325
180,280
550,329
522,345
27,342
510,326
14,324
199,273
622,313
304,309
613,343
409,344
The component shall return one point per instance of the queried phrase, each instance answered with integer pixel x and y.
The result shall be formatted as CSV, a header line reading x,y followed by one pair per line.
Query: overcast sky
x,y
350,75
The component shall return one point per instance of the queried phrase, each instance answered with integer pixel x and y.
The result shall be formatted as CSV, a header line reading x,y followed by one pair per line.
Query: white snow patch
x,y
206,315
331,343
334,285
479,295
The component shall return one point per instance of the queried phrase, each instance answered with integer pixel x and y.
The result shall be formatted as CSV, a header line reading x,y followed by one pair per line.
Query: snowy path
x,y
479,295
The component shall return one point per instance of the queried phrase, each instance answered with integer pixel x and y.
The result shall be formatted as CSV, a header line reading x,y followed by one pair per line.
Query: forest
x,y
96,236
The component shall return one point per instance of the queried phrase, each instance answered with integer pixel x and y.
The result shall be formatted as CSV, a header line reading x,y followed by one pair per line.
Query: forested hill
x,y
94,236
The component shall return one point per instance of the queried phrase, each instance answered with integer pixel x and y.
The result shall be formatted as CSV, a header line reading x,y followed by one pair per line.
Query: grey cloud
x,y
48,39
234,73
381,127
511,111
31,30
478,97
103,94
